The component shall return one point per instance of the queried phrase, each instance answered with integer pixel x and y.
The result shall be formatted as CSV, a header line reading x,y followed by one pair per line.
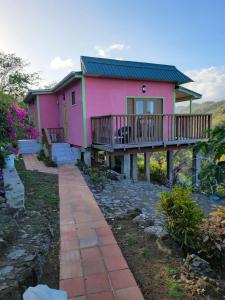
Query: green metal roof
x,y
112,68
184,94
66,80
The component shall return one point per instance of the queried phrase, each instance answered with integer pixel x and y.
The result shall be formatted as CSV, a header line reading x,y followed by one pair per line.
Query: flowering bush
x,y
14,125
212,235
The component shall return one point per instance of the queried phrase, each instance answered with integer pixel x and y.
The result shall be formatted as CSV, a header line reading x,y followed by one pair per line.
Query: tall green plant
x,y
183,215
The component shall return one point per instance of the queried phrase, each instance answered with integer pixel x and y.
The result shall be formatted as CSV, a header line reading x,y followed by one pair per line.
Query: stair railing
x,y
46,141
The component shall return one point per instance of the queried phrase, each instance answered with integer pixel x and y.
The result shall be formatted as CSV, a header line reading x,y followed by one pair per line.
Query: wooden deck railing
x,y
46,141
56,134
51,135
155,129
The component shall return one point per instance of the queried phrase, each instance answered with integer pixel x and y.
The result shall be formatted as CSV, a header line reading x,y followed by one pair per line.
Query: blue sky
x,y
52,34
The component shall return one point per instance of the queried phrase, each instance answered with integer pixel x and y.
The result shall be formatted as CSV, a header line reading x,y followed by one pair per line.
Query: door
x,y
146,128
65,121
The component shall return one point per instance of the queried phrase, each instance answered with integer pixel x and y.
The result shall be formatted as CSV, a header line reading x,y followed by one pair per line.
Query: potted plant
x,y
9,152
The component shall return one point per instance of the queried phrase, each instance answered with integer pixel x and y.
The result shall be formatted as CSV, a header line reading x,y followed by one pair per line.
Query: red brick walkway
x,y
32,163
92,266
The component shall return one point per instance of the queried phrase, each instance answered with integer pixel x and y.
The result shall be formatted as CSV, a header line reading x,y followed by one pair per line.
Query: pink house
x,y
120,107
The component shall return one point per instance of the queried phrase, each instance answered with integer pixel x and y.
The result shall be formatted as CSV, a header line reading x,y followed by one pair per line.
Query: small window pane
x,y
139,107
150,107
73,98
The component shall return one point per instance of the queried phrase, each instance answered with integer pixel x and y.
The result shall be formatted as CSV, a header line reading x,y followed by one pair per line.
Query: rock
x,y
14,193
142,220
156,230
133,212
194,263
29,257
3,243
2,200
16,254
113,175
5,271
3,286
43,292
201,283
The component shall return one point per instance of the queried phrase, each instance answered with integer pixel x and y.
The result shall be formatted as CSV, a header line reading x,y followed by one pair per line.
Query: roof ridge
x,y
151,66
109,61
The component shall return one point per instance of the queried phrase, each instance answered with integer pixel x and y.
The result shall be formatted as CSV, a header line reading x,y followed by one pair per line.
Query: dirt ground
x,y
157,271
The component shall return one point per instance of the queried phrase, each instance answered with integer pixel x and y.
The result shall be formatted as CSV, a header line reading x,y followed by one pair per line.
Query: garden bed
x,y
158,264
161,275
29,245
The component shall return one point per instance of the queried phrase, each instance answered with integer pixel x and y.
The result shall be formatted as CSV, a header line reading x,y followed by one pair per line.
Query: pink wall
x,y
108,96
49,111
75,116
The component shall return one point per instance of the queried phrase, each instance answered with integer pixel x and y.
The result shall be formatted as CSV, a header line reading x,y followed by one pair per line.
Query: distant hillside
x,y
214,108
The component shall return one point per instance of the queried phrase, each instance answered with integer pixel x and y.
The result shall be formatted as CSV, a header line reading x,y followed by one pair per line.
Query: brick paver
x,y
91,263
104,270
32,163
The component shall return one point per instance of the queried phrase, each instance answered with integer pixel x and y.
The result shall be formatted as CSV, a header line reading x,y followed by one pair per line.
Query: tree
x,y
14,79
212,175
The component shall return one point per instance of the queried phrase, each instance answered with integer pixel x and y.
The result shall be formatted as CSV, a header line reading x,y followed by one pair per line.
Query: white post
x,y
134,169
126,165
196,167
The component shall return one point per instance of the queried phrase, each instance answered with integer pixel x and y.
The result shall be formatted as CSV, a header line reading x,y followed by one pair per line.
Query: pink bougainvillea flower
x,y
12,134
15,106
21,114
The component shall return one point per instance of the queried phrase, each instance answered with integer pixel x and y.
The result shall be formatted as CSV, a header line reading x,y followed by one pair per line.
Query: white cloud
x,y
210,82
111,50
58,63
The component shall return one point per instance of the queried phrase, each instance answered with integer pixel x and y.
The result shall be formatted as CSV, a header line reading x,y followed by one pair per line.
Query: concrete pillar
x,y
125,167
112,161
147,165
87,157
134,168
196,167
169,155
107,160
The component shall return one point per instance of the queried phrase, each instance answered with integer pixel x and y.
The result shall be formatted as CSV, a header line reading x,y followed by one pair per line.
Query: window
x,y
150,107
73,98
139,107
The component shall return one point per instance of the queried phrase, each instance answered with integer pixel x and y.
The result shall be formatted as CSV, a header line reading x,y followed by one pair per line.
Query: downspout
x,y
190,106
38,116
84,112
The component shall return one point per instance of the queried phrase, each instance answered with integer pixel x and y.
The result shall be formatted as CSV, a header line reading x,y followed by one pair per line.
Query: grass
x,y
132,239
175,290
41,190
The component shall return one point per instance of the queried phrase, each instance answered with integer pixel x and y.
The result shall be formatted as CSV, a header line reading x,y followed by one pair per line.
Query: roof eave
x,y
66,80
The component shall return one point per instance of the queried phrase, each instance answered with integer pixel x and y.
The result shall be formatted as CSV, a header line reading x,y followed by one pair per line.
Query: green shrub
x,y
212,235
2,160
41,155
46,160
132,239
183,215
158,173
96,179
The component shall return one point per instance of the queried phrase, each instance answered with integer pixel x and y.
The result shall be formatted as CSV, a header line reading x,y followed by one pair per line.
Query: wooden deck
x,y
116,132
